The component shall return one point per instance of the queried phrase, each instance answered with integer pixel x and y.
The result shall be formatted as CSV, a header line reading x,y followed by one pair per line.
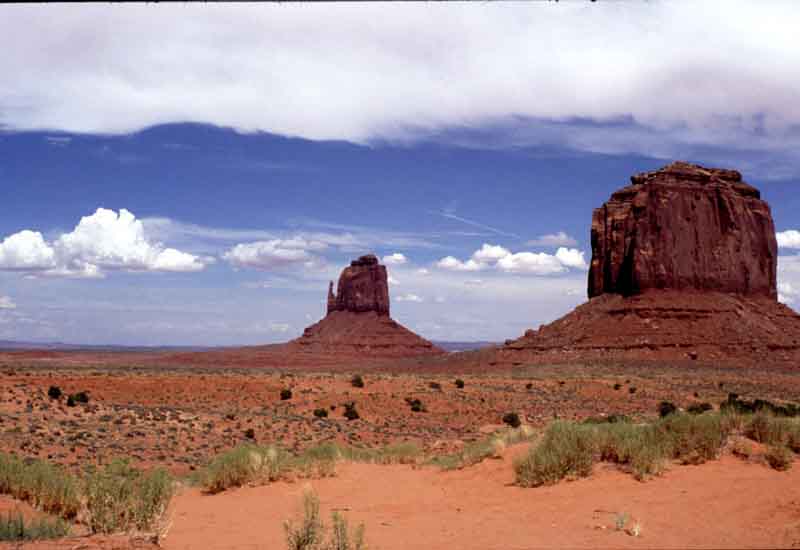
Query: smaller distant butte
x,y
358,322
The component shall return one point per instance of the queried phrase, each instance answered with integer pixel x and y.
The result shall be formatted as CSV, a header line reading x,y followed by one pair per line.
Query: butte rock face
x,y
684,227
683,267
358,321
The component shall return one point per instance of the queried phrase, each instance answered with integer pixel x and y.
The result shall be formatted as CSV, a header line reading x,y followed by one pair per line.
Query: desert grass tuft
x,y
245,464
567,450
121,498
14,528
491,447
311,533
41,484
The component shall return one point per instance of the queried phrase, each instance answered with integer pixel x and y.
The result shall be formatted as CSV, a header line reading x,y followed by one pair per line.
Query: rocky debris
x,y
363,287
684,227
683,267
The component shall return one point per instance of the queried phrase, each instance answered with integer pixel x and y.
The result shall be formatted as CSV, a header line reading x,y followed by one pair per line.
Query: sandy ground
x,y
721,504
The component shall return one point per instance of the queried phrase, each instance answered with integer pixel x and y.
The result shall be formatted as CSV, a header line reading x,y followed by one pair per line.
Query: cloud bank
x,y
721,75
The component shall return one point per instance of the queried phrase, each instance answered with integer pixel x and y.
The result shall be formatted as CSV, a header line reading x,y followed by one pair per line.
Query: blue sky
x,y
473,172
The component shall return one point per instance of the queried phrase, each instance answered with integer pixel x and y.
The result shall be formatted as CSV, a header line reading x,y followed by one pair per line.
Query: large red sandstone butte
x,y
358,321
684,227
683,266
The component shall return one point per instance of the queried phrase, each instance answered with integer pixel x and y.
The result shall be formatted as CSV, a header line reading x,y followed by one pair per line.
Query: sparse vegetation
x,y
357,381
14,528
435,386
54,392
666,408
311,534
321,413
416,405
480,450
779,457
459,384
512,419
286,394
566,450
242,465
41,484
350,412
120,497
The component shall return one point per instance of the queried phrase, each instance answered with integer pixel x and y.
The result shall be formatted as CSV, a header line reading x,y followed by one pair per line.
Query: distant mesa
x,y
683,266
357,320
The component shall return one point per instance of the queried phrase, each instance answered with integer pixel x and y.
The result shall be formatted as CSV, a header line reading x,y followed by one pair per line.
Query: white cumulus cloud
x,y
788,239
553,239
105,240
395,259
275,253
409,298
500,258
7,303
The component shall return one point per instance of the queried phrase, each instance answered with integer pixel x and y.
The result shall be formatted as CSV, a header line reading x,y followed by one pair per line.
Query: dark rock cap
x,y
684,227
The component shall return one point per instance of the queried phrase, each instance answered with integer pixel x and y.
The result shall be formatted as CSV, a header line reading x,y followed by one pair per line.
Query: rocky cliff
x,y
684,227
363,286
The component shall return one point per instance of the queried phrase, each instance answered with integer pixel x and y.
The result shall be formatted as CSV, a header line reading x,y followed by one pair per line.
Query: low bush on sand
x,y
311,533
567,449
121,498
41,484
14,528
116,498
245,464
489,447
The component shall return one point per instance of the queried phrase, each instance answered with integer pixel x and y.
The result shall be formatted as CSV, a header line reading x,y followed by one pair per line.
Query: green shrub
x,y
512,419
242,465
566,450
357,381
310,534
321,413
250,433
350,412
765,428
459,384
42,484
120,498
693,439
13,528
416,405
286,394
54,392
666,408
779,457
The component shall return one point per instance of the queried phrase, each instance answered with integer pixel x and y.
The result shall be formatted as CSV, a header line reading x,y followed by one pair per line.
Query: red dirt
x,y
721,504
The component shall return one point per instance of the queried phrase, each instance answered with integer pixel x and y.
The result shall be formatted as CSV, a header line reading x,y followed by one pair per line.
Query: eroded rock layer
x,y
684,227
667,325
